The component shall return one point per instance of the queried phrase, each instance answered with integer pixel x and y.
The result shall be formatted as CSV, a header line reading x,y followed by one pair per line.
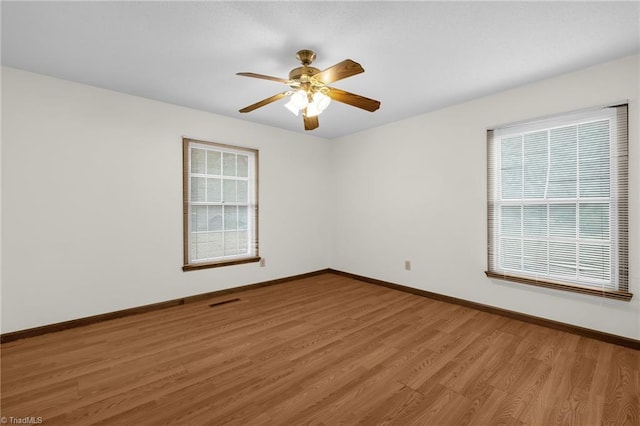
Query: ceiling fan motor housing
x,y
301,74
298,74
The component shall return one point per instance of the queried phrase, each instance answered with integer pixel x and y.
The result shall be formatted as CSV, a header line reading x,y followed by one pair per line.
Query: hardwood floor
x,y
321,350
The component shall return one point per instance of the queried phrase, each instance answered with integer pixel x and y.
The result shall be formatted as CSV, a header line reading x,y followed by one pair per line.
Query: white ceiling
x,y
418,56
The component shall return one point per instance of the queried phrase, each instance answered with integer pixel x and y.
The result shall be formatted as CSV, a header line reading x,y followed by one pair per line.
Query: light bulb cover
x,y
299,99
312,110
321,101
291,107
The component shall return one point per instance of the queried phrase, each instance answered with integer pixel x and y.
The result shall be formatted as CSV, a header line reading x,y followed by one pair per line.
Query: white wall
x,y
92,213
416,190
92,201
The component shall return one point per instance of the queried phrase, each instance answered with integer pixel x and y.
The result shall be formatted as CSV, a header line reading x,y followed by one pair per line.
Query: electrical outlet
x,y
263,262
407,265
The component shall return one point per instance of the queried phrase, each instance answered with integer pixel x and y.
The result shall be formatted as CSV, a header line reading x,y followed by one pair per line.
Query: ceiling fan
x,y
309,93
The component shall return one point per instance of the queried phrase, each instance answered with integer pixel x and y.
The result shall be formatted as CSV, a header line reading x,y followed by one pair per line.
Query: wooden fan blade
x,y
341,70
264,102
353,99
264,77
310,123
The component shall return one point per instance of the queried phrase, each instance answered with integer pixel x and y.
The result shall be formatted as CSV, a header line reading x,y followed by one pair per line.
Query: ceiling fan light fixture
x,y
299,99
291,107
321,101
312,110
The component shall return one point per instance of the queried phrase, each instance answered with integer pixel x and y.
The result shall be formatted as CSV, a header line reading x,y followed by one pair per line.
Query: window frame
x,y
252,205
618,200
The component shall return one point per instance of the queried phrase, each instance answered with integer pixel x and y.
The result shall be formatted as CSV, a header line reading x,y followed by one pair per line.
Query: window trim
x,y
576,288
186,172
620,186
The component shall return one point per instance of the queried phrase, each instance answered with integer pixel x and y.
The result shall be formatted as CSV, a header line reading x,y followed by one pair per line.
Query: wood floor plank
x,y
549,403
325,350
490,407
388,408
622,395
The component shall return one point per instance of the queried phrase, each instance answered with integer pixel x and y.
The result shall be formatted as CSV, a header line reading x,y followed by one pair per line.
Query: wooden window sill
x,y
593,291
196,266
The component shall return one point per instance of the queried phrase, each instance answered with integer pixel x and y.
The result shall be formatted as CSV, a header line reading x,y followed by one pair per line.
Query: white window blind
x,y
220,189
557,202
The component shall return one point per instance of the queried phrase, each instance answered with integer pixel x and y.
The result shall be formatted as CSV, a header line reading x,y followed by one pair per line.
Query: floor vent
x,y
224,302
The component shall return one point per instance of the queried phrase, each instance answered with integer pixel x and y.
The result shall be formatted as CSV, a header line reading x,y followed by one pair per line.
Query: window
x,y
557,203
220,204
